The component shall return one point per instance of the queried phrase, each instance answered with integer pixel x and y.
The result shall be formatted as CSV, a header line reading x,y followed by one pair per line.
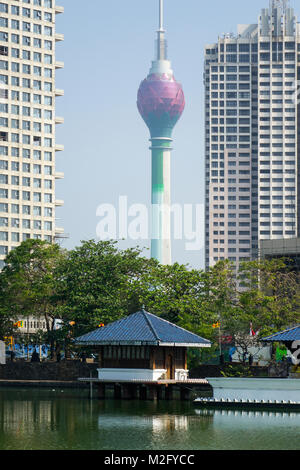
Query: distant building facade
x,y
288,249
251,136
28,147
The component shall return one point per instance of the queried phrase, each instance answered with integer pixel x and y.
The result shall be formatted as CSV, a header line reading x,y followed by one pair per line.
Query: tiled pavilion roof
x,y
143,328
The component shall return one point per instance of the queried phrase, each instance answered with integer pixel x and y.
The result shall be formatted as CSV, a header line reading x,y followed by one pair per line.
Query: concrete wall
x,y
63,371
211,370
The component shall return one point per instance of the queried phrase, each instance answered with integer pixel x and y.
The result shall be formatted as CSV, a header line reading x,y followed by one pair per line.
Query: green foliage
x,y
237,371
27,282
99,283
94,284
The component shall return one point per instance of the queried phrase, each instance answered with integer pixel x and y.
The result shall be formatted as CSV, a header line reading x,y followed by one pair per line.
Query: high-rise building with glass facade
x,y
27,122
252,135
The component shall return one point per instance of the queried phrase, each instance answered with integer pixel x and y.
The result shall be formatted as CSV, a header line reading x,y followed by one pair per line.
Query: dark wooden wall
x,y
142,357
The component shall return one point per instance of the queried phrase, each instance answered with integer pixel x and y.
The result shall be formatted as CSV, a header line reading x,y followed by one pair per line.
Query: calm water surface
x,y
55,419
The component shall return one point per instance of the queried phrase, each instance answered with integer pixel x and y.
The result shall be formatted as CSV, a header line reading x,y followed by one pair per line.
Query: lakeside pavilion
x,y
142,348
286,337
289,338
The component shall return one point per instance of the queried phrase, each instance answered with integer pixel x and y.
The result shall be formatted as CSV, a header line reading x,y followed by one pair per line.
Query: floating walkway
x,y
226,403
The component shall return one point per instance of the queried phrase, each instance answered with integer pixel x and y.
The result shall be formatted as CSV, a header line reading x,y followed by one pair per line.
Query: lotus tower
x,y
161,103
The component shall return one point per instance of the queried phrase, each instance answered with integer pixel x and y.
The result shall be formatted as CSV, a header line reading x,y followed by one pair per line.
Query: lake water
x,y
66,419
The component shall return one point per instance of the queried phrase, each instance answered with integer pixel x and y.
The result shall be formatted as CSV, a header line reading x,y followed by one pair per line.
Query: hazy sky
x,y
108,49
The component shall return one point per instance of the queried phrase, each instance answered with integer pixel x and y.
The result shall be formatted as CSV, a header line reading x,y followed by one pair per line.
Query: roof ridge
x,y
283,331
145,314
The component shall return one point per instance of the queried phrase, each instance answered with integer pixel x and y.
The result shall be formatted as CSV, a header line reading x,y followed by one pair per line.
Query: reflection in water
x,y
32,419
153,423
254,418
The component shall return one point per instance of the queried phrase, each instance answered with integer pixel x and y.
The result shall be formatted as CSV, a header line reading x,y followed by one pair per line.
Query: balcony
x,y
59,9
59,64
59,92
59,175
59,120
59,148
59,202
59,37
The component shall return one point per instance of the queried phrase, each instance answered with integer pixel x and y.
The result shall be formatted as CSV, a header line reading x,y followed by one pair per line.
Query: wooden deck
x,y
146,389
148,382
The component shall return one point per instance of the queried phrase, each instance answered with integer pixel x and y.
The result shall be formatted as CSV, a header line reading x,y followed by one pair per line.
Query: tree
x,y
267,300
27,282
178,294
93,284
271,295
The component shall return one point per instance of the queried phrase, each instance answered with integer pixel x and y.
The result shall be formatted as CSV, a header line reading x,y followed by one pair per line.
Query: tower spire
x,y
161,15
161,42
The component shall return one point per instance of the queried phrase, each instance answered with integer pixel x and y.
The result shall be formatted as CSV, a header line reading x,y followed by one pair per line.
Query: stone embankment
x,y
64,373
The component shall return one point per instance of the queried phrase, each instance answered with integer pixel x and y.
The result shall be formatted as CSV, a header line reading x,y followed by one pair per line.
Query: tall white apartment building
x,y
252,136
27,122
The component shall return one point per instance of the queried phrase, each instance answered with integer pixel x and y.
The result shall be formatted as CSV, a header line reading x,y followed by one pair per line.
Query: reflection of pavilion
x,y
157,423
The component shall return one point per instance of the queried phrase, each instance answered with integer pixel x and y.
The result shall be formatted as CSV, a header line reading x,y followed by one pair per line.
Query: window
x,y
37,183
26,196
48,31
3,36
48,17
26,181
37,29
26,26
15,237
48,59
48,45
15,208
26,82
26,12
47,212
3,8
26,224
37,57
4,236
15,223
37,211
